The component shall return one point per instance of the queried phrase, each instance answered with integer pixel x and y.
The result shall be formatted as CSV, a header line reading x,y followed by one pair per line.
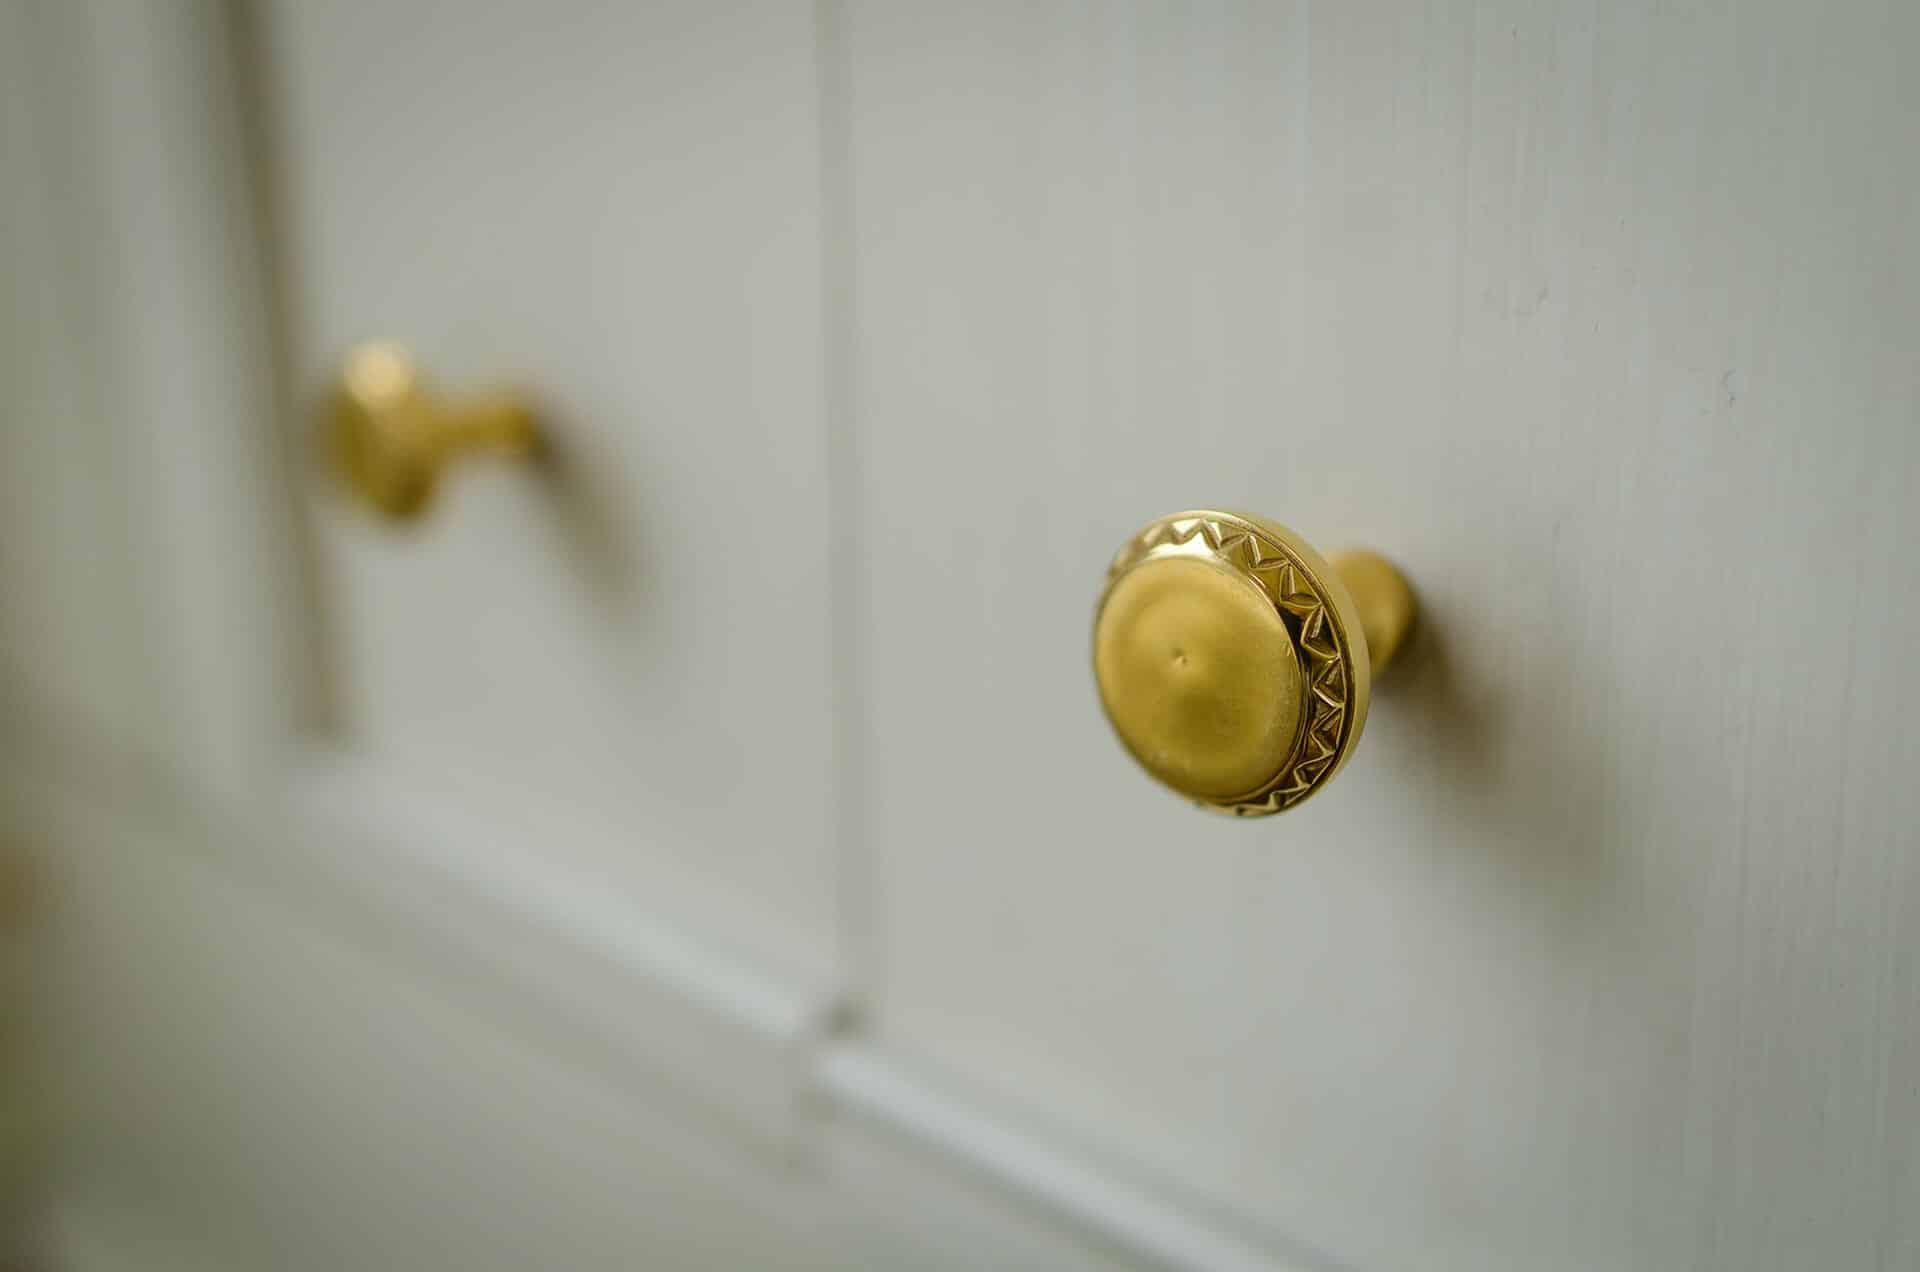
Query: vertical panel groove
x,y
846,528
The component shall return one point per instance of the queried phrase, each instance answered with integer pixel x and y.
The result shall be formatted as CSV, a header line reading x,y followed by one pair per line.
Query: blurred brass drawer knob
x,y
1235,662
393,437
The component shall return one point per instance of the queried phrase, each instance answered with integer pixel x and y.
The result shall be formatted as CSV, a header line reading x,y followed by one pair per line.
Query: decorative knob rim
x,y
1316,610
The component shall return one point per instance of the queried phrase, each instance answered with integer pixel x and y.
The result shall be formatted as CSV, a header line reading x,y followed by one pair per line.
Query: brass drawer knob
x,y
393,437
1235,662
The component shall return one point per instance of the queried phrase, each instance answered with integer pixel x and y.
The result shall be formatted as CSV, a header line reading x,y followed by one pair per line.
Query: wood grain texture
x,y
1605,951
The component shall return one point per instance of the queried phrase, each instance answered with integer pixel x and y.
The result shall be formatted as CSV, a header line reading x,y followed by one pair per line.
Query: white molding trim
x,y
344,801
722,1027
597,978
861,1079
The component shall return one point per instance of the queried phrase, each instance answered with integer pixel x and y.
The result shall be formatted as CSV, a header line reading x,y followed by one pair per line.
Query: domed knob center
x,y
1199,676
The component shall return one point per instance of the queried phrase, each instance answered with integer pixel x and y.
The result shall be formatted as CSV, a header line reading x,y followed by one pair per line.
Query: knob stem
x,y
1385,602
498,423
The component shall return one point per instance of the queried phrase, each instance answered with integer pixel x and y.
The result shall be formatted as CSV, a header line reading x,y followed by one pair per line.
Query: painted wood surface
x,y
623,655
325,1101
1601,320
1605,951
70,567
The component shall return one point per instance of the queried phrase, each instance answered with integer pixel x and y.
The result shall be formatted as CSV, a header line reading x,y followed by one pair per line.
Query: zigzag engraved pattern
x,y
1324,647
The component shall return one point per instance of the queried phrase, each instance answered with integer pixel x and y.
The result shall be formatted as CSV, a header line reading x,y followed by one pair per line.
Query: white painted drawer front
x,y
1601,953
727,813
622,660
